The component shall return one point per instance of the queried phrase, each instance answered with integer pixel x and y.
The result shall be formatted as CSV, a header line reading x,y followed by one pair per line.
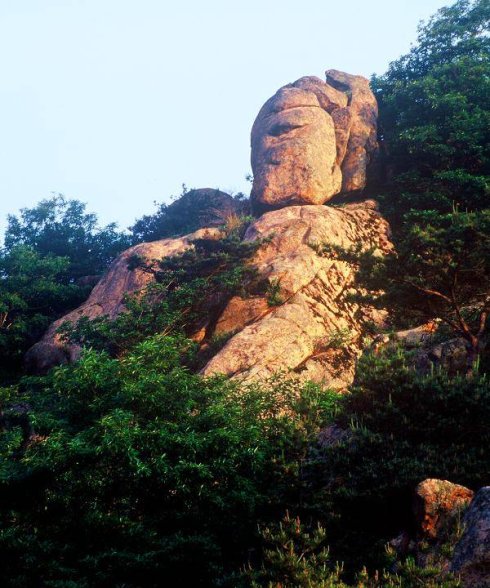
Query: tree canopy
x,y
435,115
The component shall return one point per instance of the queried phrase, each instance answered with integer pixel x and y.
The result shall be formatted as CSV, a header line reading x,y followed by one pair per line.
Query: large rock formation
x,y
107,298
310,141
316,332
305,324
313,140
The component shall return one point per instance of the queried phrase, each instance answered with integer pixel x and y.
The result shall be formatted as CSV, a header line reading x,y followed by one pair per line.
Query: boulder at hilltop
x,y
107,298
312,140
312,329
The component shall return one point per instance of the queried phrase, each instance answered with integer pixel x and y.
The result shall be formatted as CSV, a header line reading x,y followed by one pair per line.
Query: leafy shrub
x,y
401,428
136,472
273,292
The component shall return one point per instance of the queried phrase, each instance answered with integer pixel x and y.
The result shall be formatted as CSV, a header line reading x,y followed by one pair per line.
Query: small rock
x,y
437,504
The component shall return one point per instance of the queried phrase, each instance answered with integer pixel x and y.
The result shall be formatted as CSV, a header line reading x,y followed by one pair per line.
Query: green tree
x,y
62,227
440,269
435,115
295,556
34,290
136,472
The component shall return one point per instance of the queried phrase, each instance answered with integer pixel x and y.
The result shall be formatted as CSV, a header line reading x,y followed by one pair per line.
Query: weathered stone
x,y
240,312
471,556
328,97
302,334
362,145
312,140
294,151
107,298
437,504
43,355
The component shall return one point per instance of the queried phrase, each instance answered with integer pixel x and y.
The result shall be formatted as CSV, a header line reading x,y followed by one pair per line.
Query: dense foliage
x,y
47,265
34,290
135,471
61,227
399,427
296,555
435,115
130,469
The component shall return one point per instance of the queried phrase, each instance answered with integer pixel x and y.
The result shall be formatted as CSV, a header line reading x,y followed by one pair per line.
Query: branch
x,y
427,291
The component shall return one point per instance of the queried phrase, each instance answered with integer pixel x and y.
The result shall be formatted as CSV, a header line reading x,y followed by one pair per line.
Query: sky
x,y
119,102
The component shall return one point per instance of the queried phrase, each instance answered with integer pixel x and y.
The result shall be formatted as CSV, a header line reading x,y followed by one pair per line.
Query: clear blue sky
x,y
118,102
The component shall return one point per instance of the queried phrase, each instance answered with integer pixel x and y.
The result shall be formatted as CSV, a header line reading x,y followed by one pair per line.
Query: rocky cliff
x,y
315,332
312,329
310,141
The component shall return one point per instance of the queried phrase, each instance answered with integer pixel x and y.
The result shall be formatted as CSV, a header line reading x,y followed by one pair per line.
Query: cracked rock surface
x,y
316,332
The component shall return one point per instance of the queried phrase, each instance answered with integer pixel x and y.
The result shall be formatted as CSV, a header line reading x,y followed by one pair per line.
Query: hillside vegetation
x,y
128,468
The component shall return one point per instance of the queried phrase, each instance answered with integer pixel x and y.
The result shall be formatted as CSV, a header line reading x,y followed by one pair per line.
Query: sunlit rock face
x,y
313,140
316,331
313,330
357,130
108,297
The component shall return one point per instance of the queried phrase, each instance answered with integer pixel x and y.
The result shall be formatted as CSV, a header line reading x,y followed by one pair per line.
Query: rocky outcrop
x,y
107,298
471,557
358,124
312,329
304,323
312,140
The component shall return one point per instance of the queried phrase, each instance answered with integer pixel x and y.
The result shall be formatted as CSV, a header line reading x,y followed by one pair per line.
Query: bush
x,y
401,428
296,555
136,472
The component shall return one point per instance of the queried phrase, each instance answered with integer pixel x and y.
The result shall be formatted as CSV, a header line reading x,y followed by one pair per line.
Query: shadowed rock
x,y
471,556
